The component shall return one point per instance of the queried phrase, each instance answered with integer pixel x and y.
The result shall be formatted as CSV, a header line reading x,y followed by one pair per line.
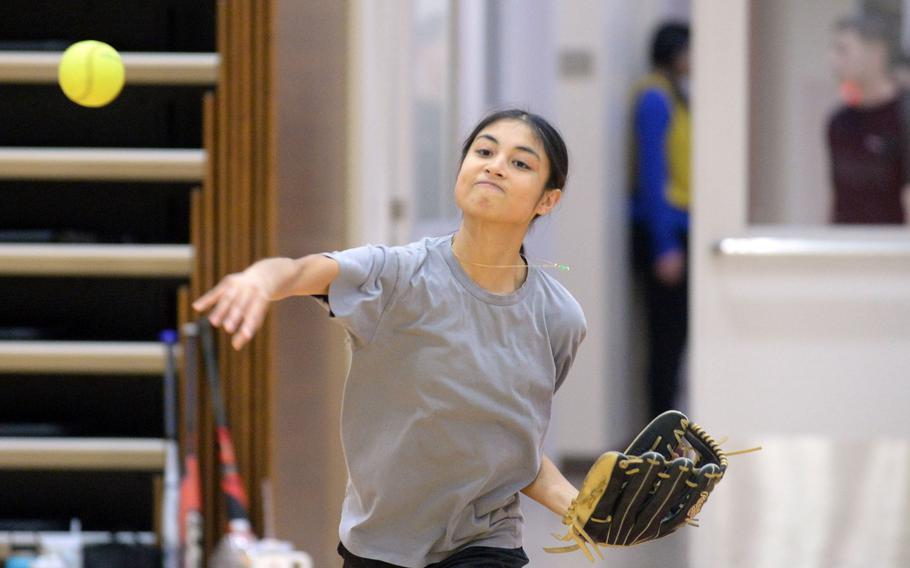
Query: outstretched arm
x,y
241,300
551,489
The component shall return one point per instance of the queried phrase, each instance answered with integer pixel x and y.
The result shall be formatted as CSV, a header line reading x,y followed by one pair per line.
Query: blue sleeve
x,y
366,281
652,123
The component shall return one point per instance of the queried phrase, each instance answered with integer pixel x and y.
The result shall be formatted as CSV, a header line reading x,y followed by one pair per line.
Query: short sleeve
x,y
569,334
366,281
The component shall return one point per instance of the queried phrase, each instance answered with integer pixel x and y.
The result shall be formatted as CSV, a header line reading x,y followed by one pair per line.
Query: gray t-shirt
x,y
447,399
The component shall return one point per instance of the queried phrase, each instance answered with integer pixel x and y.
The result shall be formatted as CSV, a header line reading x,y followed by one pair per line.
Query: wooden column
x,y
276,135
233,225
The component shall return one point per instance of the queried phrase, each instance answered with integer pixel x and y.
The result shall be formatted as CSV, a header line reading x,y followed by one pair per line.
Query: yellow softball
x,y
91,73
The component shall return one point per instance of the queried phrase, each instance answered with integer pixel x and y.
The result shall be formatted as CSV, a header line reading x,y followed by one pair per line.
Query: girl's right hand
x,y
240,302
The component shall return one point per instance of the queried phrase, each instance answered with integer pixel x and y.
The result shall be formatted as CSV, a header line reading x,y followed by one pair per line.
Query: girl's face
x,y
503,174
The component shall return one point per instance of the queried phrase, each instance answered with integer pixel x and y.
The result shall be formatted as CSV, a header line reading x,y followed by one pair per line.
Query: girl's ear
x,y
548,201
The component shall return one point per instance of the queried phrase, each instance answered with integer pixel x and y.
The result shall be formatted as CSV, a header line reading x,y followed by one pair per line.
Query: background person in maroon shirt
x,y
867,136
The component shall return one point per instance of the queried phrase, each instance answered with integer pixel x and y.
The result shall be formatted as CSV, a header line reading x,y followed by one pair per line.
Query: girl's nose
x,y
494,168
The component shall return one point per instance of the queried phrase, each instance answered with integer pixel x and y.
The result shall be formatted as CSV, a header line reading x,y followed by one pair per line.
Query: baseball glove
x,y
657,485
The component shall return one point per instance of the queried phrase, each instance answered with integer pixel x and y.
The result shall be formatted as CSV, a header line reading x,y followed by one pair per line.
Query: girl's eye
x,y
484,152
522,165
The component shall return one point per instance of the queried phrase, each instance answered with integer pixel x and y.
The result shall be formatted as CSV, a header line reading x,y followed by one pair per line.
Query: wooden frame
x,y
232,226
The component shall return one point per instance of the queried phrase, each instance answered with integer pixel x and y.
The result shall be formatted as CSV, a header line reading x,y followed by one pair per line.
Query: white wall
x,y
605,394
806,355
784,344
582,228
379,127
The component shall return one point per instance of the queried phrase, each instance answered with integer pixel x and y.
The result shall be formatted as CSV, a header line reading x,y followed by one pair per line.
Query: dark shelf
x,y
87,309
128,25
140,117
81,405
103,212
103,501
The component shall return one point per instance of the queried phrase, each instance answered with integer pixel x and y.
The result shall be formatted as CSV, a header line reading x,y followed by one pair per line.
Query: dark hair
x,y
553,145
670,40
872,26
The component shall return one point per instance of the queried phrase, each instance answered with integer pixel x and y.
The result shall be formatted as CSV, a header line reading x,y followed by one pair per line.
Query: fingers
x,y
208,299
236,311
252,321
239,307
244,309
225,302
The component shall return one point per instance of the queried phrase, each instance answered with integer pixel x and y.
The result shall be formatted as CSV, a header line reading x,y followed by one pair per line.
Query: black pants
x,y
667,311
472,557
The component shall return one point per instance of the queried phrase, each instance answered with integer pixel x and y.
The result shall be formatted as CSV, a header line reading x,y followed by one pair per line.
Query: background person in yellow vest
x,y
660,207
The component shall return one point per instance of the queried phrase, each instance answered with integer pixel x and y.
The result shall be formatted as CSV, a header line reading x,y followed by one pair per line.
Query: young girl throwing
x,y
458,345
